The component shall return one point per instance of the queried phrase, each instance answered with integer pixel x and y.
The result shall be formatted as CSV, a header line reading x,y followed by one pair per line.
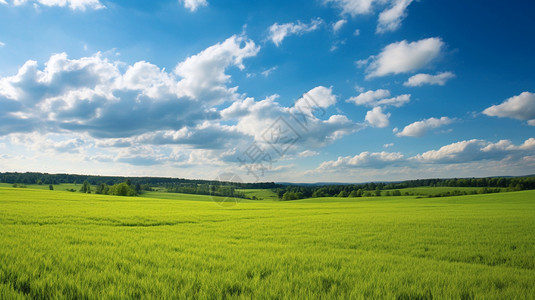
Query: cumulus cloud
x,y
392,14
379,98
390,19
72,4
305,122
193,5
463,152
369,97
421,79
338,25
420,128
475,150
403,57
521,107
364,160
376,118
91,94
278,32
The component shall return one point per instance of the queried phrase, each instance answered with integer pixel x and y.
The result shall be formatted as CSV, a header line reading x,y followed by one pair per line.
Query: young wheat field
x,y
57,244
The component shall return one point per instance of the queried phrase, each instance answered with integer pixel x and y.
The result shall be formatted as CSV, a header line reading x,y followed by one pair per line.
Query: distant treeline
x,y
485,185
218,189
45,178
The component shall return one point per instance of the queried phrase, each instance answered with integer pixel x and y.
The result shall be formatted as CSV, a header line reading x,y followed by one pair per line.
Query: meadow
x,y
57,244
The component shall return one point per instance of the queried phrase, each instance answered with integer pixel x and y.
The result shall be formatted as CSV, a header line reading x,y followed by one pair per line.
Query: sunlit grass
x,y
56,244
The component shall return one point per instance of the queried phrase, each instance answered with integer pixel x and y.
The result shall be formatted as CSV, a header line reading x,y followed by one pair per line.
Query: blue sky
x,y
301,91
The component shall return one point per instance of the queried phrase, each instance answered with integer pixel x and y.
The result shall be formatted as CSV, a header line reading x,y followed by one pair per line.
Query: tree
x,y
377,192
51,187
86,187
343,194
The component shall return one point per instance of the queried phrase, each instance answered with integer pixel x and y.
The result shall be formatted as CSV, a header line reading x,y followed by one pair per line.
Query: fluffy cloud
x,y
475,150
278,32
464,152
403,57
338,25
92,95
390,18
376,118
72,4
193,5
379,98
305,123
421,79
521,107
369,97
203,75
420,128
364,160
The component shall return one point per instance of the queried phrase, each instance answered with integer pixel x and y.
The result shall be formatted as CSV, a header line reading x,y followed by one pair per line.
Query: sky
x,y
285,91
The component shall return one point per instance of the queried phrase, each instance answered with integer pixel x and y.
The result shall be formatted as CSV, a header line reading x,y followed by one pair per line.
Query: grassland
x,y
56,244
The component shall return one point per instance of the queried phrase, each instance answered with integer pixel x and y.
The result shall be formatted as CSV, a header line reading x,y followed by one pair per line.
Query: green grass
x,y
56,244
260,194
431,191
57,187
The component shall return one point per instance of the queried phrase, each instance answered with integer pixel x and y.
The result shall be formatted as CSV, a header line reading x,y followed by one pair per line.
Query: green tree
x,y
51,187
86,187
343,194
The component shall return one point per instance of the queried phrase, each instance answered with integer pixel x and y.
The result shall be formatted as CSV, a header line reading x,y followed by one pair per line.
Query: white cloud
x,y
268,72
390,19
420,128
392,14
421,79
318,97
369,97
475,150
364,160
72,4
403,57
354,7
203,75
395,101
92,95
338,25
469,152
3,2
278,32
356,32
521,107
376,118
379,98
308,153
193,5
306,121
388,145
2,44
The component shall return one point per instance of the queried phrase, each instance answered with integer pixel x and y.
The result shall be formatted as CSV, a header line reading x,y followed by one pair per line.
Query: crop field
x,y
56,244
431,191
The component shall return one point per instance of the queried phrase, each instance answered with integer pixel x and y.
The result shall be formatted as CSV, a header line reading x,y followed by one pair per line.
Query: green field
x,y
432,191
56,244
